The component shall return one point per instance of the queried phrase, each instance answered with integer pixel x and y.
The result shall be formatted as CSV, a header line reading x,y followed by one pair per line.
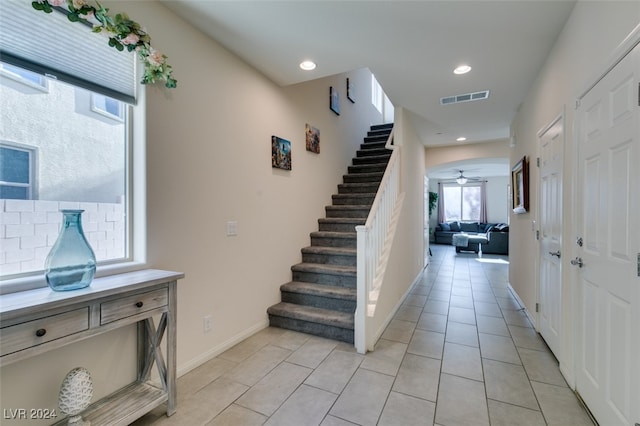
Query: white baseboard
x,y
526,311
217,350
395,309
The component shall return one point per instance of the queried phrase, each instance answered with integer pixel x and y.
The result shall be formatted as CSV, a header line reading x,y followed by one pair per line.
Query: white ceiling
x,y
412,48
480,168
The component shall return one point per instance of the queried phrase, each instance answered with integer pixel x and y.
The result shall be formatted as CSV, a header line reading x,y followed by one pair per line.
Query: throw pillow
x,y
468,227
454,226
445,227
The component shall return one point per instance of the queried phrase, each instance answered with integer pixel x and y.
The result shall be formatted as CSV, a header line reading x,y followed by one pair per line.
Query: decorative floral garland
x,y
123,34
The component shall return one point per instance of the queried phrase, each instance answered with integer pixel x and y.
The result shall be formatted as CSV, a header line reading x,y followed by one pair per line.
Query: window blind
x,y
48,43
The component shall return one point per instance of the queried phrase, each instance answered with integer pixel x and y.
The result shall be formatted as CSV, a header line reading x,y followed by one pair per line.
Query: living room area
x,y
467,201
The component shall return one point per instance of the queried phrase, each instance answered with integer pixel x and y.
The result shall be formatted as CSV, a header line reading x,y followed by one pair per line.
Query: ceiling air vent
x,y
467,97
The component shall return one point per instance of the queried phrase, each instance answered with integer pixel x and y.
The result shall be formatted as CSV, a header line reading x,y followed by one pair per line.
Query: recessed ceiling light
x,y
461,139
462,69
307,65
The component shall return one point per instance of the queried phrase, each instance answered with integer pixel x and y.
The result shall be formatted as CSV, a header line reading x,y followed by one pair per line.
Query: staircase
x,y
321,298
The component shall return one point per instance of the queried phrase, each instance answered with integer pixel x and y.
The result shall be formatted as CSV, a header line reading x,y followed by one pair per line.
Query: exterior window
x,y
82,163
23,76
108,107
377,95
462,203
16,173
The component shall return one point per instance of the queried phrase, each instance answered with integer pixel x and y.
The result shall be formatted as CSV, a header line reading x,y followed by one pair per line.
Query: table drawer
x,y
132,305
33,333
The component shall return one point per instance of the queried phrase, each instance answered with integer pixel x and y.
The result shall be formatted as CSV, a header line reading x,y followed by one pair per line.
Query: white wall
x,y
407,254
591,34
208,162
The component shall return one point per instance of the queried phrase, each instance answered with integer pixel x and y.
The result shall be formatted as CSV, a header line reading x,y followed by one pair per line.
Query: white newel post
x,y
360,319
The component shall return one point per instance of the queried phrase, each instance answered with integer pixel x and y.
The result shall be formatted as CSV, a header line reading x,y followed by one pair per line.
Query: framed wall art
x,y
280,153
334,100
351,91
520,186
312,136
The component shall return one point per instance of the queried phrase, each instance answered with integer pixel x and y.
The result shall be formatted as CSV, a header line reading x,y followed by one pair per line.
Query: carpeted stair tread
x,y
373,159
340,251
340,224
353,198
312,314
369,152
343,220
367,168
348,207
382,137
328,291
322,268
334,234
358,188
360,177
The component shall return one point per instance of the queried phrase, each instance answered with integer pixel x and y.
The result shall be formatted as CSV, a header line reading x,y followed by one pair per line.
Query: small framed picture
x,y
334,100
520,186
280,153
351,91
312,138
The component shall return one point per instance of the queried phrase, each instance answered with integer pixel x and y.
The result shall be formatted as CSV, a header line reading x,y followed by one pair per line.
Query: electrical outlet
x,y
208,323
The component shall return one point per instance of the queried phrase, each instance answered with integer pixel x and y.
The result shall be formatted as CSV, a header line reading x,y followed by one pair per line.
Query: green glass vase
x,y
71,263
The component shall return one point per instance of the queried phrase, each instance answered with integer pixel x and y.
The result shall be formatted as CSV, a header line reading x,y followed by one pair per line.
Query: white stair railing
x,y
371,239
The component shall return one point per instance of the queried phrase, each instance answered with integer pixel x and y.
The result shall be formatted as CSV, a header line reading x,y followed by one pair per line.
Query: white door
x,y
608,317
551,140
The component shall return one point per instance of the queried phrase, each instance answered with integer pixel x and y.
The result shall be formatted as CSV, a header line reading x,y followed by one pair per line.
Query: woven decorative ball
x,y
76,392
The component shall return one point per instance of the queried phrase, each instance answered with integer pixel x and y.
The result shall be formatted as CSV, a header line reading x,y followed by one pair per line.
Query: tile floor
x,y
458,352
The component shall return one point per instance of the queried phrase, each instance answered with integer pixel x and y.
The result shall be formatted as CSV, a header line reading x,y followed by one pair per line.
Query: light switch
x,y
232,228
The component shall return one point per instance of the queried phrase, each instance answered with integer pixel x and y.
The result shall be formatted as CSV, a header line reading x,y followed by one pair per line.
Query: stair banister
x,y
371,239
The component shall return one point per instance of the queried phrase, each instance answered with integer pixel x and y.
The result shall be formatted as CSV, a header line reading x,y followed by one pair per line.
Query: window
x,y
23,76
462,203
377,95
16,173
107,106
80,157
82,162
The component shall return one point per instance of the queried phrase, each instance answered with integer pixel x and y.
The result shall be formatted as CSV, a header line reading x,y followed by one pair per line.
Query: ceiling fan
x,y
462,179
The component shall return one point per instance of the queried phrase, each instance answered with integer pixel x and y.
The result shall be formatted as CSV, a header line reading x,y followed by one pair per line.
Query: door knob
x,y
577,262
557,253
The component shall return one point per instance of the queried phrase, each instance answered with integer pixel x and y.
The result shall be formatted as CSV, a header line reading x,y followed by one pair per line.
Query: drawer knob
x,y
41,332
139,304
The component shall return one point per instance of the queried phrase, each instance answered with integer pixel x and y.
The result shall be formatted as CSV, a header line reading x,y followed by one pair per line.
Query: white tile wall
x,y
29,228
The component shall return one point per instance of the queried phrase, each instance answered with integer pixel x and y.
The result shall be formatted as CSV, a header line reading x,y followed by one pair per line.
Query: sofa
x,y
497,235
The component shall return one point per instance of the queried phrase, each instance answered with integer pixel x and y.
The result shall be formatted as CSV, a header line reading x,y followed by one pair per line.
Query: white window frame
x,y
32,191
454,185
96,106
136,211
377,95
7,71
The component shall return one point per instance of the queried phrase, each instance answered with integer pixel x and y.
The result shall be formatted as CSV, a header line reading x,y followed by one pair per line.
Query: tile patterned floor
x,y
459,351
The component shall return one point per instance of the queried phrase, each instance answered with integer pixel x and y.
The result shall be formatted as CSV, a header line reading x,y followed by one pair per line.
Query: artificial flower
x,y
122,33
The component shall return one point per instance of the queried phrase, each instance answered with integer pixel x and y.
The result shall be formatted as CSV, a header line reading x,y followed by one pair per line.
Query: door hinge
x,y
537,235
537,307
577,103
639,264
538,161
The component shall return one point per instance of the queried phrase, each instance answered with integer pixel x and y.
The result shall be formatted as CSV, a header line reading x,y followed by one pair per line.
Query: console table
x,y
36,321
